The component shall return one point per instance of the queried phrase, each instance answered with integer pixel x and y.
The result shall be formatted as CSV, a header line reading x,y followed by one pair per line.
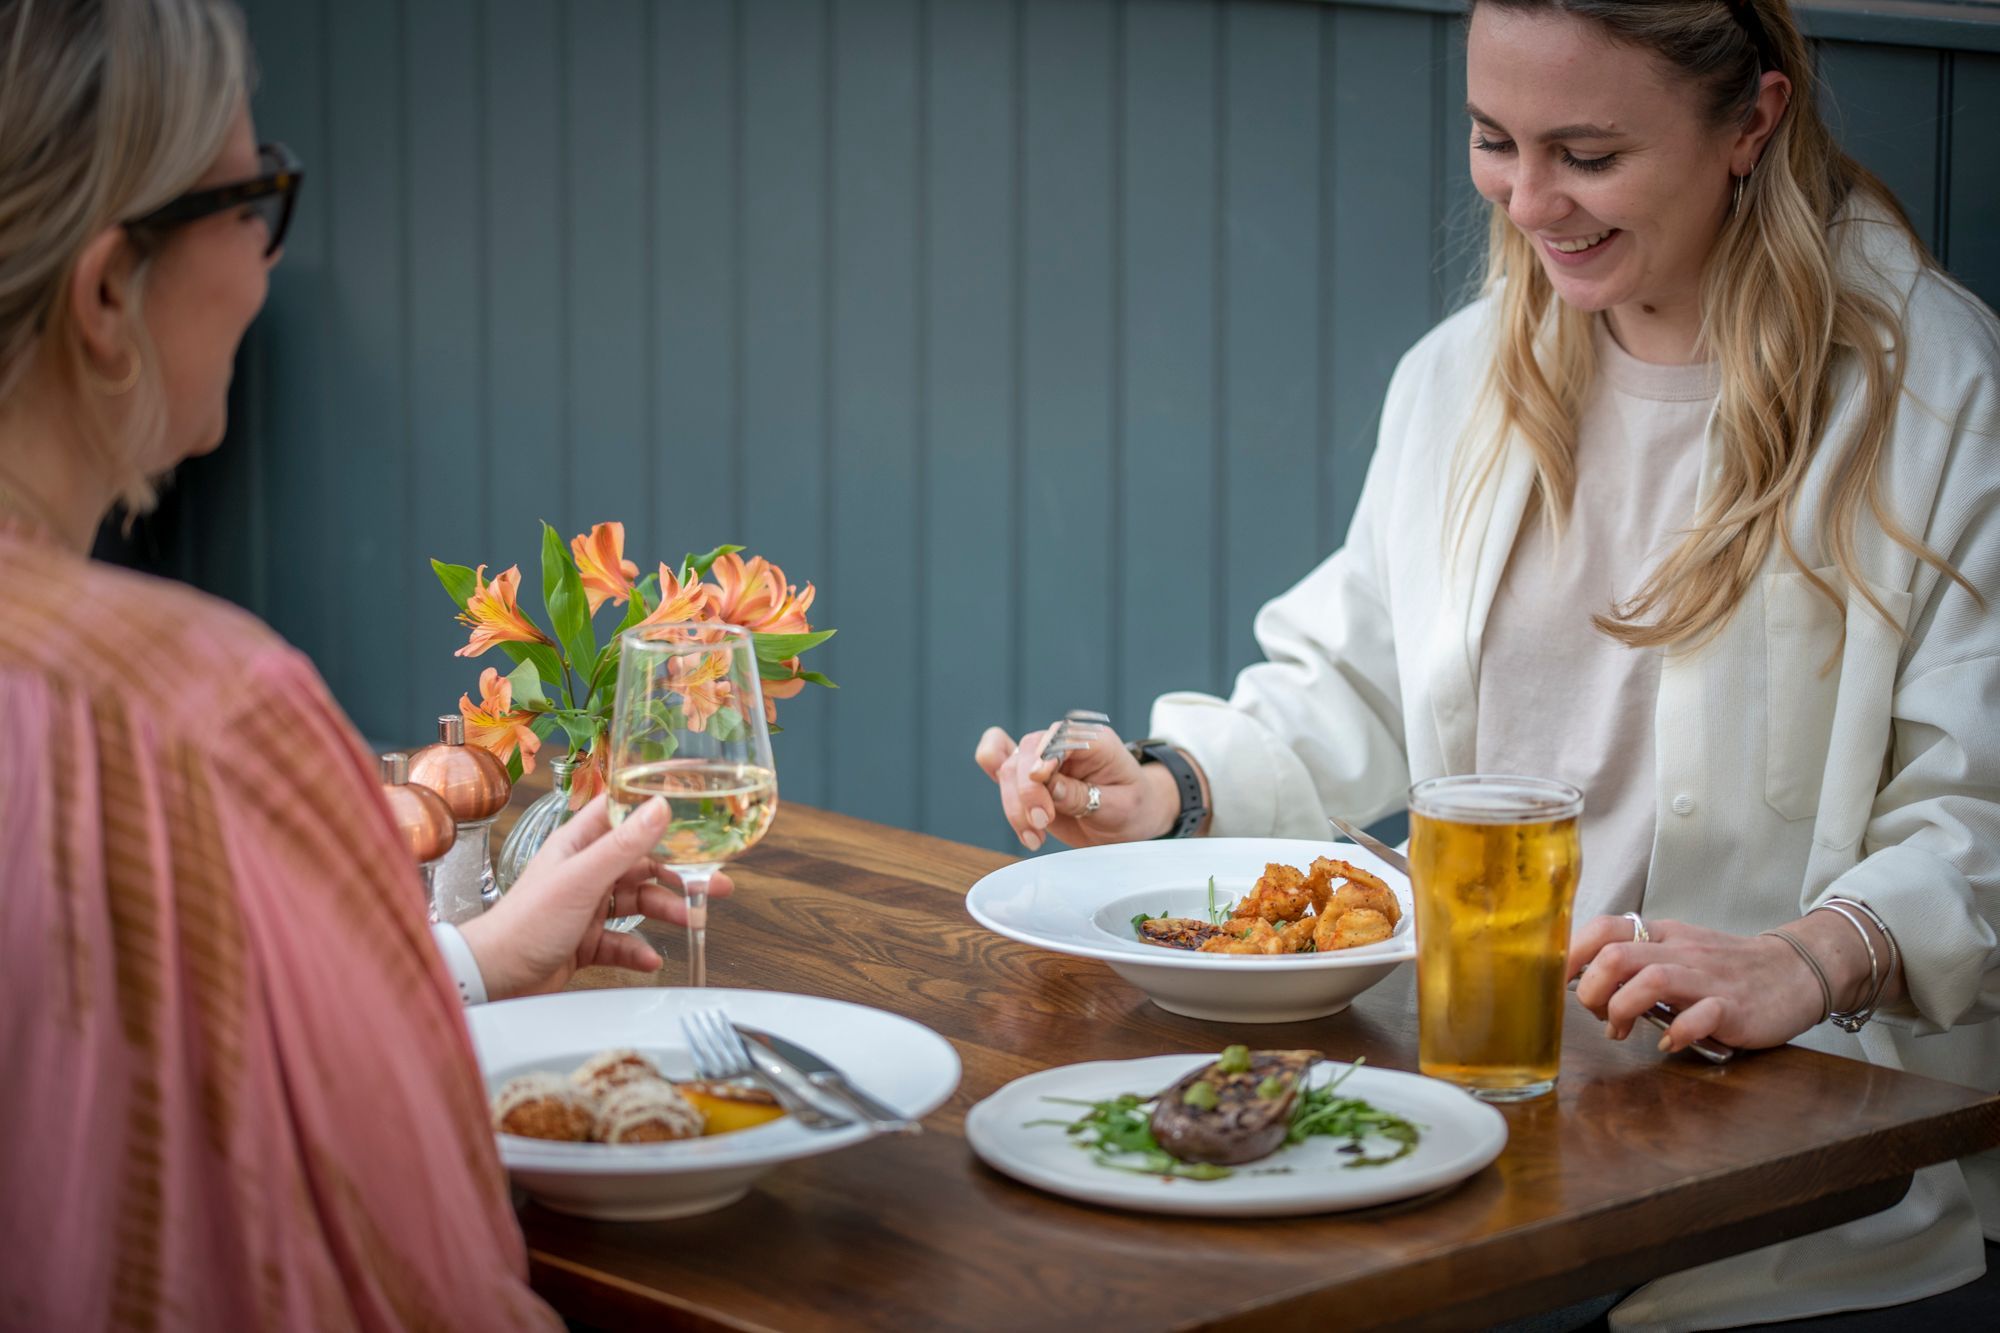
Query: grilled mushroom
x,y
1234,1110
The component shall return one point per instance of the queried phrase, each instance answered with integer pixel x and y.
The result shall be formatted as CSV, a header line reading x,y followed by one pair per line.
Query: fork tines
x,y
1077,730
717,1050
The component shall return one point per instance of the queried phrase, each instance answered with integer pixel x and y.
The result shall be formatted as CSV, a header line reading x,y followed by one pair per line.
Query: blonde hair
x,y
1777,317
108,109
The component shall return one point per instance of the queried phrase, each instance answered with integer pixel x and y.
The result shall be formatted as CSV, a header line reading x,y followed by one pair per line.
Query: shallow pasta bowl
x,y
1082,903
903,1063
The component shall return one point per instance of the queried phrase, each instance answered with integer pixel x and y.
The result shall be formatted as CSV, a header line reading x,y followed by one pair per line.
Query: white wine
x,y
715,809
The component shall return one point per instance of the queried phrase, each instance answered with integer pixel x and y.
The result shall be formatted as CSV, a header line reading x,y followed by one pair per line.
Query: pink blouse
x,y
236,1088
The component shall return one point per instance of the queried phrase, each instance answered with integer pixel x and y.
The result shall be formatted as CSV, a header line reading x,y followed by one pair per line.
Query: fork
x,y
719,1054
1078,730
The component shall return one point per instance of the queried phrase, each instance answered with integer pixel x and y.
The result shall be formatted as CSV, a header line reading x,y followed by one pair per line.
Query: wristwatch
x,y
1193,809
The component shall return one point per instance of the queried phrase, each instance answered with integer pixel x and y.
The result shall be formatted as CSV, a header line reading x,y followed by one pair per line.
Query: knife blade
x,y
1661,1015
1395,859
881,1118
800,1095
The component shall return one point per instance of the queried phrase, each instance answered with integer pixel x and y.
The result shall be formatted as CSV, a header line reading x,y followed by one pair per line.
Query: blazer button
x,y
1683,804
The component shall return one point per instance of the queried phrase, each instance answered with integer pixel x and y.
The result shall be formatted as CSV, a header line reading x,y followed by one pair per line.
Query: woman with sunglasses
x,y
238,1090
1697,509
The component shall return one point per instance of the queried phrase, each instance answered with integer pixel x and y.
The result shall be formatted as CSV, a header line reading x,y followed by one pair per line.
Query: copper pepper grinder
x,y
475,786
422,818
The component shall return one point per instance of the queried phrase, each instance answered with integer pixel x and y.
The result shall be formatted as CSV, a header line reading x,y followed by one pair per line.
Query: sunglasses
x,y
270,195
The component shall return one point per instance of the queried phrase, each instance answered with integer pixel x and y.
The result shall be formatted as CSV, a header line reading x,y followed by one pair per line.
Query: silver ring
x,y
1090,801
1640,935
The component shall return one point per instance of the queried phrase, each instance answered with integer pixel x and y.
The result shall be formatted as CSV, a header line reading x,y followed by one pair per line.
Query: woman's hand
x,y
552,921
1049,799
1749,992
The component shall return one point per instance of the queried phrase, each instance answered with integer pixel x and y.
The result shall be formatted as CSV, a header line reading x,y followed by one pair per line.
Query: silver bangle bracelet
x,y
1825,991
1851,1020
1895,949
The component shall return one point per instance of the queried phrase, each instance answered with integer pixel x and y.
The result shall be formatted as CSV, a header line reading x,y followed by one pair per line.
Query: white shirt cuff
x,y
458,961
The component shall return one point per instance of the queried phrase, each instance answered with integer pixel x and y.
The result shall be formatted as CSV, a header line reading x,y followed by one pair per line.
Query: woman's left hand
x,y
1748,992
552,921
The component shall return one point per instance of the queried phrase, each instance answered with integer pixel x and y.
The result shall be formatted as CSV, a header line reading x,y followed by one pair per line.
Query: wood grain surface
x,y
1638,1166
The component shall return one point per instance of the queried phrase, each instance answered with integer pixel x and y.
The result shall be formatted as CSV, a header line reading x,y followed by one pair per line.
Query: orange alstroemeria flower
x,y
754,594
702,681
680,604
494,723
494,615
587,778
600,560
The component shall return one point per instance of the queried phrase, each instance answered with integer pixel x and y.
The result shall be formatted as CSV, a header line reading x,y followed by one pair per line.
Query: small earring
x,y
1736,195
126,385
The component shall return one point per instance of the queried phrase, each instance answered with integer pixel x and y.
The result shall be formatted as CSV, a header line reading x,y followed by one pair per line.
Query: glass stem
x,y
694,884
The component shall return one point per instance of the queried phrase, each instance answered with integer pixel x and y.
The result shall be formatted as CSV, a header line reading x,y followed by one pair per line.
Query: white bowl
x,y
905,1064
1082,902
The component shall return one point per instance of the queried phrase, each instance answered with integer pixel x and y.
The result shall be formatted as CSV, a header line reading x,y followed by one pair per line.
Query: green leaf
x,y
780,647
579,726
603,672
697,566
547,665
815,678
459,582
727,725
526,678
514,767
569,609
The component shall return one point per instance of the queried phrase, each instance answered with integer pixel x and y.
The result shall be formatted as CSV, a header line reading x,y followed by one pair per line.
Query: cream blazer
x,y
1779,783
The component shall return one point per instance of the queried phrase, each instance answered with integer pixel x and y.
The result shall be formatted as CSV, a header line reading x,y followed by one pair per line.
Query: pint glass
x,y
1493,866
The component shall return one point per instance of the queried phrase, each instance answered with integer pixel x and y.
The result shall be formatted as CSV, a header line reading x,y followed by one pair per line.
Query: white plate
x,y
1459,1135
905,1064
1082,902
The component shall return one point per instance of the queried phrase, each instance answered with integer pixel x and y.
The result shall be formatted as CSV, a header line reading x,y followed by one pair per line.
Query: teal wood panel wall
x,y
1046,336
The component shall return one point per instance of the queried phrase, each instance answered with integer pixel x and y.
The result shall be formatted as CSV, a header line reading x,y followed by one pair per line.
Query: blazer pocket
x,y
1802,664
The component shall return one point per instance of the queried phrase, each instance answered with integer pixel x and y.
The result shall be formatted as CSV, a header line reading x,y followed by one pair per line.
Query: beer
x,y
1493,865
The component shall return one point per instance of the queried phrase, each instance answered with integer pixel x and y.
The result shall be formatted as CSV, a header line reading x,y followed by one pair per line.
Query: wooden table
x,y
1640,1165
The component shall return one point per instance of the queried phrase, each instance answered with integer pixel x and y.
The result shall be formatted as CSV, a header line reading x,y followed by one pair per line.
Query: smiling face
x,y
1603,155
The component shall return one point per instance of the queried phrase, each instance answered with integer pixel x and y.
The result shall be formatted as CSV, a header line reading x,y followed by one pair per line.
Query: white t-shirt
x,y
1557,697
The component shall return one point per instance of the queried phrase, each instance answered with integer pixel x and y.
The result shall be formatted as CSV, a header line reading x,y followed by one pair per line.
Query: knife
x,y
1661,1015
827,1079
800,1095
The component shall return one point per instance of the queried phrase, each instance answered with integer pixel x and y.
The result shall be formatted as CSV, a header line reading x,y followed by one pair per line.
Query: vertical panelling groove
x,y
1323,475
482,243
920,713
566,337
407,714
330,646
1440,206
1941,240
829,294
1218,368
1120,706
1017,599
649,260
738,319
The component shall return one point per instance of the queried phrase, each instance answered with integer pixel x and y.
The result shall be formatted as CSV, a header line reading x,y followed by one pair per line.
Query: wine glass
x,y
688,726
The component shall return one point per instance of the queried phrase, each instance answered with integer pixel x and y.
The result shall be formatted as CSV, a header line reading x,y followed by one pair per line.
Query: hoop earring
x,y
1736,194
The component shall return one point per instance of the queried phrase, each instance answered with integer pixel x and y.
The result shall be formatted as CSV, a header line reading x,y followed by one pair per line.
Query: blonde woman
x,y
238,1090
1698,508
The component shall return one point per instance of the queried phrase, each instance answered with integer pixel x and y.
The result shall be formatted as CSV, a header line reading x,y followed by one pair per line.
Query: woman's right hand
x,y
1135,801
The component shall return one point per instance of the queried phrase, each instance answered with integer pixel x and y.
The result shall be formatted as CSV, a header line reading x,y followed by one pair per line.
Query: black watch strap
x,y
1193,810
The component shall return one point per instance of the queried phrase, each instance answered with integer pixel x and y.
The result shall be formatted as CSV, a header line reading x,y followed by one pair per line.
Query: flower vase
x,y
538,824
